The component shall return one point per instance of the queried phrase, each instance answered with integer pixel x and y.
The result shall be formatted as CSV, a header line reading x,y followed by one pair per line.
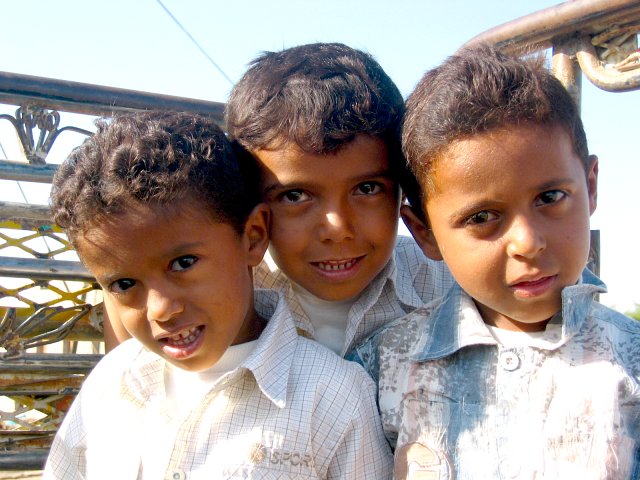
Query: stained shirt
x,y
292,410
407,281
457,404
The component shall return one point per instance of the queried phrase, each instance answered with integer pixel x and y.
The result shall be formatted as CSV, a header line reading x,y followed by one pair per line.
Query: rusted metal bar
x,y
33,459
566,69
22,171
50,363
17,89
44,269
83,331
540,30
609,79
24,216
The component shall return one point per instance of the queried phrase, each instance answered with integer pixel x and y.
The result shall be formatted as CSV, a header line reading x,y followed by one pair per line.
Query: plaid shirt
x,y
408,281
458,405
292,410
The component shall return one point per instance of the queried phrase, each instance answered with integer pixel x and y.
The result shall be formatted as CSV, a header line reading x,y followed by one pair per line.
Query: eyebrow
x,y
486,203
385,173
172,253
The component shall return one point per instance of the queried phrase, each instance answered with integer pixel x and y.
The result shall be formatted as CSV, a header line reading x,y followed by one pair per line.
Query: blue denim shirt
x,y
457,404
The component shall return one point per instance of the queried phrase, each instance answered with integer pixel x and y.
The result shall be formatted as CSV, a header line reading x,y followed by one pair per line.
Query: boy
x,y
168,220
517,372
323,121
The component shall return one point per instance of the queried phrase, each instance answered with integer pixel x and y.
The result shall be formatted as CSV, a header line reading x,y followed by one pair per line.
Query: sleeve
x,y
363,451
66,460
365,354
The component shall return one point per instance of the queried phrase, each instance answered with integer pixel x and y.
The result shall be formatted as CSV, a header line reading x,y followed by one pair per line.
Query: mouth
x,y
535,287
183,343
337,265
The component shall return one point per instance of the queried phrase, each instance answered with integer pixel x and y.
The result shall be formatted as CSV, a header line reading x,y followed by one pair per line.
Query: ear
x,y
421,233
592,183
256,233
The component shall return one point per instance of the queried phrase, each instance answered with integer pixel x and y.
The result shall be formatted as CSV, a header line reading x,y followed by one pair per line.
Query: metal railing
x,y
597,37
39,387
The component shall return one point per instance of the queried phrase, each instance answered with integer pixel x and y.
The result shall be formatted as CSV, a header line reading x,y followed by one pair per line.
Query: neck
x,y
251,329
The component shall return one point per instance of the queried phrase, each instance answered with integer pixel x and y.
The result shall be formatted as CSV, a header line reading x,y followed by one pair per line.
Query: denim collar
x,y
456,323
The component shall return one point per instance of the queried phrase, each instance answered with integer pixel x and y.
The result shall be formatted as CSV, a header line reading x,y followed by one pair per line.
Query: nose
x,y
162,305
526,240
337,224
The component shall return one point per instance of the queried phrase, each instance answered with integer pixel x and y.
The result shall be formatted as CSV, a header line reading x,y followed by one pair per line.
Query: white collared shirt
x,y
292,409
408,281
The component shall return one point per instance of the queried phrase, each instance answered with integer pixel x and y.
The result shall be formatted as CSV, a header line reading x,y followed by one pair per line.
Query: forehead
x,y
144,230
516,154
362,157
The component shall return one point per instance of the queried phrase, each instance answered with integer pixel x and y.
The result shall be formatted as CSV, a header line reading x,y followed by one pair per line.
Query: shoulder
x,y
338,401
107,375
392,344
430,278
267,275
325,369
407,252
404,332
616,325
337,387
608,330
618,321
119,359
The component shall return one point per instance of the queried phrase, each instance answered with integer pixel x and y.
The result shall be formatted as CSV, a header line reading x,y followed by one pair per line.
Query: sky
x,y
137,45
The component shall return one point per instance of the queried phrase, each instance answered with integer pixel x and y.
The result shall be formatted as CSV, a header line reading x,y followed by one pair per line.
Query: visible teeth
x,y
335,266
183,338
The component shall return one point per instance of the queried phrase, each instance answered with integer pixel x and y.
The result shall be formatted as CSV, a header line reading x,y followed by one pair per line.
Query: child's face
x,y
179,282
334,217
509,214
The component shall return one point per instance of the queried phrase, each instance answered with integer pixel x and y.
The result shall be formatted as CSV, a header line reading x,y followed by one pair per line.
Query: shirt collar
x,y
455,322
269,362
400,278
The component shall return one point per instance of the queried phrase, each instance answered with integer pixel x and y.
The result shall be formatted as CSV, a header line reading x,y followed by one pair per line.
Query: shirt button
x,y
509,360
177,475
509,469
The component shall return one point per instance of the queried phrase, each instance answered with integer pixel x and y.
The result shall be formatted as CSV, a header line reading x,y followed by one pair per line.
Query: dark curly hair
x,y
157,158
476,90
318,96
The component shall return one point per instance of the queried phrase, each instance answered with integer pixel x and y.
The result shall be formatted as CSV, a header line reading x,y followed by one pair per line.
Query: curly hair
x,y
157,158
476,90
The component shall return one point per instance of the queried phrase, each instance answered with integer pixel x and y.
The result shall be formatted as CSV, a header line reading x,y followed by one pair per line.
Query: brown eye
x,y
369,188
481,217
122,285
183,263
294,196
550,197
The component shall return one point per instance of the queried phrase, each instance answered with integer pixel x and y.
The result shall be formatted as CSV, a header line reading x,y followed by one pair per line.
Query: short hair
x,y
318,96
153,158
479,89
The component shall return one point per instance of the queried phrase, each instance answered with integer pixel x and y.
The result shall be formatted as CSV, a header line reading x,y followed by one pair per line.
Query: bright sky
x,y
136,45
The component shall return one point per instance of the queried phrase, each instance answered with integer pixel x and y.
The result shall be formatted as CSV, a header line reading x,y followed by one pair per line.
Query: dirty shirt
x,y
456,403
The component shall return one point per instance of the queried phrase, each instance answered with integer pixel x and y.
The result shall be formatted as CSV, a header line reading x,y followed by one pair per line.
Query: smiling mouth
x,y
337,265
184,338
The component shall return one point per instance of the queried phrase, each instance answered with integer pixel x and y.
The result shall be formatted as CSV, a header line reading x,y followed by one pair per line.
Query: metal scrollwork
x,y
16,339
47,121
27,119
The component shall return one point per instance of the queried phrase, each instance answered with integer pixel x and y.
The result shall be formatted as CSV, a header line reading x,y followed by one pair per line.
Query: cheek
x,y
286,238
471,259
135,323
